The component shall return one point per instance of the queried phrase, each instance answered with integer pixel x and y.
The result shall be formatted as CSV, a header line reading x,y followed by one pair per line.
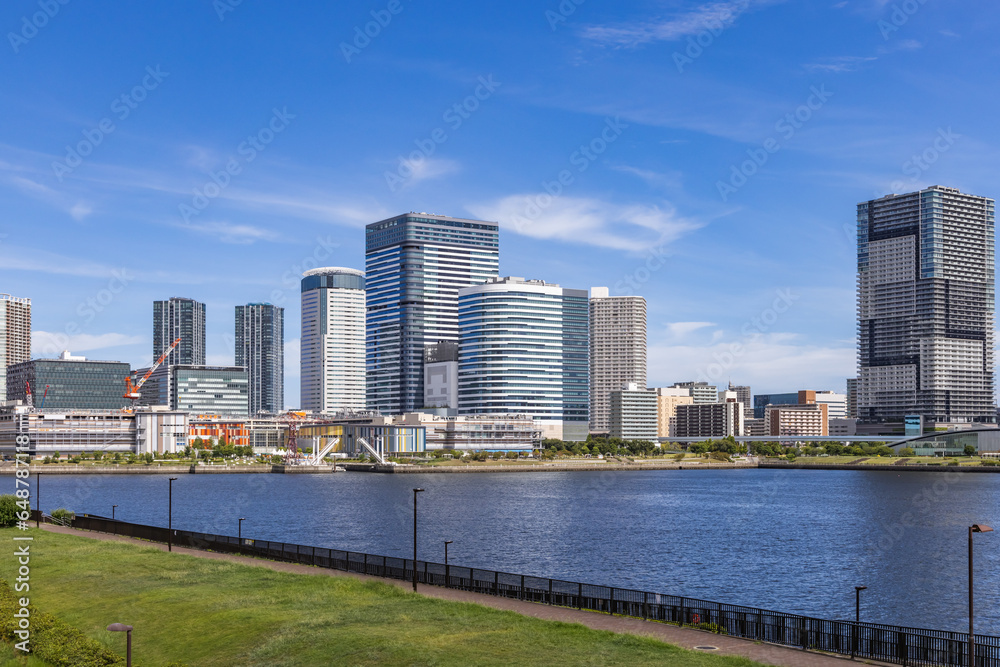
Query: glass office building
x,y
524,349
414,266
73,383
220,390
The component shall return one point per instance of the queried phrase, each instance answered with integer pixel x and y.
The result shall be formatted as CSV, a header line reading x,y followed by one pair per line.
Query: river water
x,y
794,541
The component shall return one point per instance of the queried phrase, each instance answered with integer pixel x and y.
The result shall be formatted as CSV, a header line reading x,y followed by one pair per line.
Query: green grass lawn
x,y
206,612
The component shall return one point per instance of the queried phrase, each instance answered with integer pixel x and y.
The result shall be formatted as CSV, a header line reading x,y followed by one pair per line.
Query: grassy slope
x,y
207,612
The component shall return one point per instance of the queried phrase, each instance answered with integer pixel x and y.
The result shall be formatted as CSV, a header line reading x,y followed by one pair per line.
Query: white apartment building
x,y
617,350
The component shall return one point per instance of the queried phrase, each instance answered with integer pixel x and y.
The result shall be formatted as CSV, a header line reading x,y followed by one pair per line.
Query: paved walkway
x,y
769,654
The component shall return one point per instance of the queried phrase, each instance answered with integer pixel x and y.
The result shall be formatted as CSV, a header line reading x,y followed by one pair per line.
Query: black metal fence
x,y
904,646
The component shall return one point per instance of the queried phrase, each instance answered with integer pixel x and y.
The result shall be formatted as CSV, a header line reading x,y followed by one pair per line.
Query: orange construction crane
x,y
132,390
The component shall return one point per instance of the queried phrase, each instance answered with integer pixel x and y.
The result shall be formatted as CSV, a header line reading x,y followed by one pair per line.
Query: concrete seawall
x,y
885,468
554,467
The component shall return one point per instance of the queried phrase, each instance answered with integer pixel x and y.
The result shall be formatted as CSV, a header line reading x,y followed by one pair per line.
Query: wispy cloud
x,y
840,64
655,179
228,232
632,227
712,16
682,329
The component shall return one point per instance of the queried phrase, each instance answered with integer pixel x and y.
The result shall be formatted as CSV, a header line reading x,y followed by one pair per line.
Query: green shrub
x,y
52,640
989,463
64,514
8,510
712,627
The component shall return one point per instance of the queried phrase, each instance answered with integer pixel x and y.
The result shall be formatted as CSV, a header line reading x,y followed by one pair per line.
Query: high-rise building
x,y
333,340
441,376
209,389
179,318
709,420
617,350
260,348
926,307
415,264
15,335
71,383
524,350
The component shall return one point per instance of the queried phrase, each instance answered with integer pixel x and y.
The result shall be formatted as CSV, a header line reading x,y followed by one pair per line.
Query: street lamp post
x,y
415,492
974,528
127,629
447,578
38,495
170,515
239,531
113,512
857,602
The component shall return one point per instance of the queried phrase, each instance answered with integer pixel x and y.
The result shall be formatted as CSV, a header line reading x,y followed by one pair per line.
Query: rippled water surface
x,y
795,541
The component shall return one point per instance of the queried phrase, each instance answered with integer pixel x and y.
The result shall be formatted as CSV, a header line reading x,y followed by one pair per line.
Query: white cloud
x,y
712,16
425,169
654,179
30,259
48,344
632,227
766,362
840,64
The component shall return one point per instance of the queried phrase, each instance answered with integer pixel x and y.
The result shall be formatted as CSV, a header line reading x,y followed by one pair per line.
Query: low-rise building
x,y
667,400
69,383
633,413
701,392
68,432
710,420
808,419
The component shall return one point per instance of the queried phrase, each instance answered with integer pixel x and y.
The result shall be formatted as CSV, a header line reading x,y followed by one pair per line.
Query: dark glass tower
x,y
926,307
260,348
414,265
179,318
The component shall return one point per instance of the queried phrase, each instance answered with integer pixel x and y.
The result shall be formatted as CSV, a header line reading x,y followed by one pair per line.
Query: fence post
x,y
314,556
522,586
611,602
681,623
579,596
550,591
496,583
645,602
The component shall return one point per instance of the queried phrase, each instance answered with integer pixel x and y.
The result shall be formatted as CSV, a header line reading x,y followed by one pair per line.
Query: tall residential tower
x,y
15,335
926,307
333,340
179,318
617,350
414,265
260,348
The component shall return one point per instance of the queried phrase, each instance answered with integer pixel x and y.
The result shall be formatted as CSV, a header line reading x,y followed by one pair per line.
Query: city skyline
x,y
645,126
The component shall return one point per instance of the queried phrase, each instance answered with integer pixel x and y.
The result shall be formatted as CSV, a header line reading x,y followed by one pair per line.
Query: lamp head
x,y
861,588
119,627
417,490
449,541
173,479
981,528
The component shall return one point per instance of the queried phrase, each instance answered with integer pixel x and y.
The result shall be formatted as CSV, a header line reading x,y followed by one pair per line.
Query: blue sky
x,y
230,145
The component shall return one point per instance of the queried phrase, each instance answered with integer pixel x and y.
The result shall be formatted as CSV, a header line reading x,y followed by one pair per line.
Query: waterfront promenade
x,y
684,637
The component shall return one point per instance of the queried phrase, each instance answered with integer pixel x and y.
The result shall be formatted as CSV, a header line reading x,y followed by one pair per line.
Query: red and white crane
x,y
132,390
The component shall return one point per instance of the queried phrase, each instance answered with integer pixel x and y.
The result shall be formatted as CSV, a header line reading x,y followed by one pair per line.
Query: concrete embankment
x,y
543,467
886,468
140,469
